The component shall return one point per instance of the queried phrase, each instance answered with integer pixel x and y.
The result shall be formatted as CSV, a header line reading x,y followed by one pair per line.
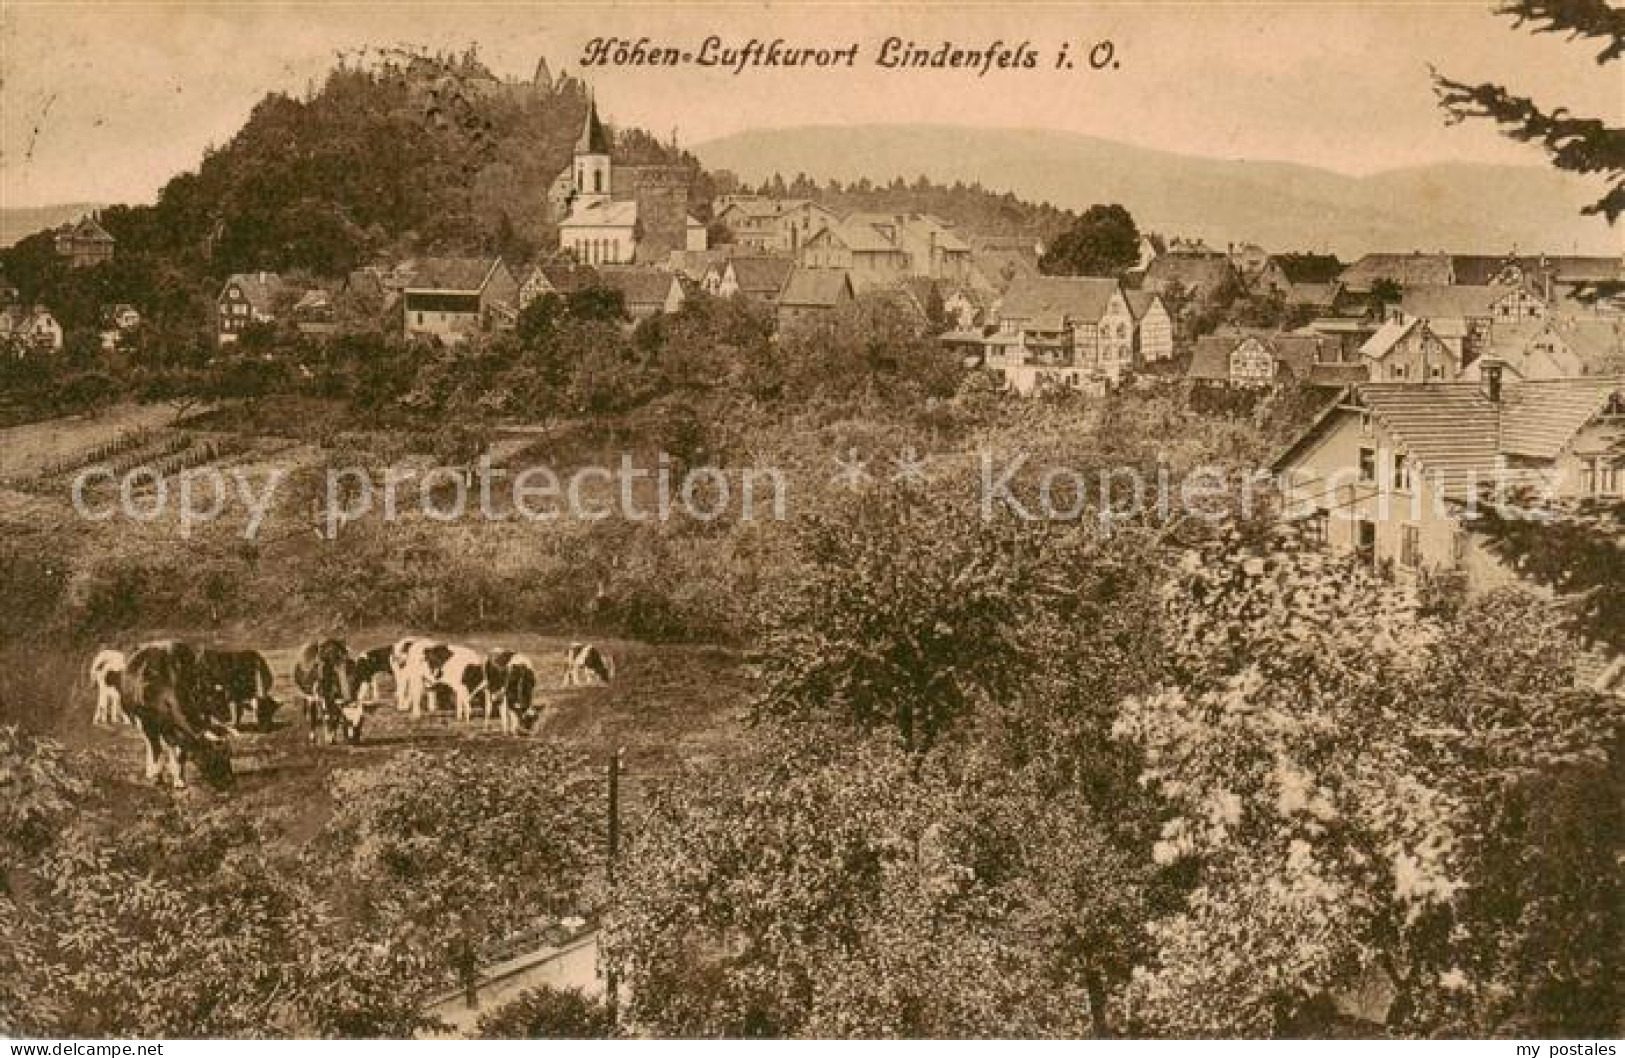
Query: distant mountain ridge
x,y
19,223
1459,207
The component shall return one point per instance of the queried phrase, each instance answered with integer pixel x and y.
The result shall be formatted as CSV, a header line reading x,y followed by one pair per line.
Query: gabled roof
x,y
1072,298
1406,269
1480,268
460,274
1140,302
1296,356
638,285
1314,295
1193,271
1540,418
857,235
761,275
260,289
1389,335
816,288
86,229
1456,435
1431,301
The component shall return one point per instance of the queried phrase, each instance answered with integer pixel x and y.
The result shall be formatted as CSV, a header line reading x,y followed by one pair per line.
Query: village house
x,y
1404,269
934,250
1153,327
644,291
1199,276
1559,347
1392,472
453,299
1254,359
557,276
811,294
758,278
247,298
84,243
1407,350
799,220
861,249
8,292
1073,331
29,329
636,215
752,221
1461,316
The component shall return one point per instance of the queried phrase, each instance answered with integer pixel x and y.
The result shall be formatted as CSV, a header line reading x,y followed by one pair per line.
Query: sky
x,y
105,102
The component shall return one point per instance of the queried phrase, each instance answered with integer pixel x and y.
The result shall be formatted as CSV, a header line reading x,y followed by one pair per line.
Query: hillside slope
x,y
1460,207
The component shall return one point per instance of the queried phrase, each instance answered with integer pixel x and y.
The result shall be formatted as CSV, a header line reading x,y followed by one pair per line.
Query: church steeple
x,y
594,138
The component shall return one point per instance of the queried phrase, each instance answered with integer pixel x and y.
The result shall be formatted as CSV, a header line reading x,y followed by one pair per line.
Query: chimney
x,y
1492,377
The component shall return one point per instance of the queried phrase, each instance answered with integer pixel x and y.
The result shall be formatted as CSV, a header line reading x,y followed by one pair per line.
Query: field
x,y
671,706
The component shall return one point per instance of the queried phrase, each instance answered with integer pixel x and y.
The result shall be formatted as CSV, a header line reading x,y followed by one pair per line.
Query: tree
x,y
1575,144
1103,242
1356,797
548,1013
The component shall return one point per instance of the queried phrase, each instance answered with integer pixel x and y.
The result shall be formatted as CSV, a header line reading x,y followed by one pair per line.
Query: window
x,y
1396,371
1410,546
1599,477
1436,371
1365,540
1368,464
1317,528
1402,473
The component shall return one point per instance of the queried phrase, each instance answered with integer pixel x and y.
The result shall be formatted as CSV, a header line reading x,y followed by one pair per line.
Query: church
x,y
634,214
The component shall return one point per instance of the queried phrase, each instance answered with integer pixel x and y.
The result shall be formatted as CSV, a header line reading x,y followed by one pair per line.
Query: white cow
x,y
106,672
587,666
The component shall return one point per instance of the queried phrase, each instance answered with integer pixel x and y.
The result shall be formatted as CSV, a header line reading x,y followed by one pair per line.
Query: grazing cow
x,y
496,682
160,688
587,666
459,668
371,665
325,676
233,680
106,671
520,710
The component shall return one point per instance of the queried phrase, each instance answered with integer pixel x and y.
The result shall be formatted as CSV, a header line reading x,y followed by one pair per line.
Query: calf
x,y
325,676
106,672
459,668
233,680
587,666
519,708
161,689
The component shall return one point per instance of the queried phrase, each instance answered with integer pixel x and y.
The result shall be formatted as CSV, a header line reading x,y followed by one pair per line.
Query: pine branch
x,y
1590,19
1578,145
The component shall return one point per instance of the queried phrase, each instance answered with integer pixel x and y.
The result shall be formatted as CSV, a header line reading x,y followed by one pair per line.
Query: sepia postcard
x,y
795,520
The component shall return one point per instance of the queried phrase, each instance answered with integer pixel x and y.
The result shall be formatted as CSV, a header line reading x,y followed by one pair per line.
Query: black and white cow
x,y
496,682
106,673
161,688
238,680
378,661
587,666
325,676
519,709
461,669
